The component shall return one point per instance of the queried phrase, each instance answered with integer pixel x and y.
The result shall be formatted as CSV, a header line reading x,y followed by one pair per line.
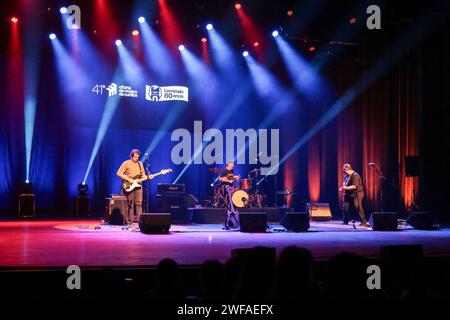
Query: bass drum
x,y
240,198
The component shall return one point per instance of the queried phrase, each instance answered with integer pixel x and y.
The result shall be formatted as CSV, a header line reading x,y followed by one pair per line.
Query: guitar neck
x,y
156,174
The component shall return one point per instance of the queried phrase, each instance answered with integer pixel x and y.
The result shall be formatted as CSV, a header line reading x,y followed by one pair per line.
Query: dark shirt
x,y
355,180
225,173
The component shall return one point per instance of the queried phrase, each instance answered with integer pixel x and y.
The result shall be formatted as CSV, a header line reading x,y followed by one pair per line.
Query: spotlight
x,y
275,34
245,53
135,33
290,13
27,187
118,42
52,36
209,26
312,49
181,47
256,44
83,188
238,6
14,20
63,10
352,20
141,19
204,40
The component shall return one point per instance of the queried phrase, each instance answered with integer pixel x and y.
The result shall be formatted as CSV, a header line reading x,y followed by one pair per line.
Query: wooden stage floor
x,y
55,243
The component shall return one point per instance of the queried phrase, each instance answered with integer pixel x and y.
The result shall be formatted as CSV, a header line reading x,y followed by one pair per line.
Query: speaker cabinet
x,y
151,223
82,205
384,221
175,204
319,211
421,221
295,221
27,205
253,221
117,210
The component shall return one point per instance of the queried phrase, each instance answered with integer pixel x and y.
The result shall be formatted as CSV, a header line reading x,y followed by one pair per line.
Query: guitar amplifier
x,y
116,210
171,188
319,211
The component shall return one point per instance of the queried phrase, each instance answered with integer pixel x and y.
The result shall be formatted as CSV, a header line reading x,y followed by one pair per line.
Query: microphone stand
x,y
147,189
381,177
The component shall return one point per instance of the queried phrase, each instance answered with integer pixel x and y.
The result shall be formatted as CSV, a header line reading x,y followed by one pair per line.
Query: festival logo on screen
x,y
169,93
114,89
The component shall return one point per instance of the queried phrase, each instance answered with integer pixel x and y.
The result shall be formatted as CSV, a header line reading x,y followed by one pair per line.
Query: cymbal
x,y
214,170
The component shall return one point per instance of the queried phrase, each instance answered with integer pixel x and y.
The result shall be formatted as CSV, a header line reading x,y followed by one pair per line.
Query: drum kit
x,y
245,193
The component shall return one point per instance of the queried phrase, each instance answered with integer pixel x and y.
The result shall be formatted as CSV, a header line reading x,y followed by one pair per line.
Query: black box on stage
x,y
170,188
296,221
175,204
319,211
421,220
155,223
82,205
384,221
253,221
117,209
27,205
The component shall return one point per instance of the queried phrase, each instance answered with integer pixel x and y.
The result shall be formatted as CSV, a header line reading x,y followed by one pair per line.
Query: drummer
x,y
227,176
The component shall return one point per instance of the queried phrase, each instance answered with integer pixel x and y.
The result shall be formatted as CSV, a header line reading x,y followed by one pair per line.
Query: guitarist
x,y
131,170
353,195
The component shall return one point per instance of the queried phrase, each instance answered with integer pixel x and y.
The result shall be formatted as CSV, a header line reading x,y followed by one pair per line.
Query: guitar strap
x,y
140,168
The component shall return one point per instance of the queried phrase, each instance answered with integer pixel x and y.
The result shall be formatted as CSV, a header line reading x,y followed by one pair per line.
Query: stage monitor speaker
x,y
151,223
82,205
319,211
252,221
422,221
295,221
384,221
412,166
27,205
117,211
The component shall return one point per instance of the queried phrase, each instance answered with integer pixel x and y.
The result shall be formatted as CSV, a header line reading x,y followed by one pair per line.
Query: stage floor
x,y
53,243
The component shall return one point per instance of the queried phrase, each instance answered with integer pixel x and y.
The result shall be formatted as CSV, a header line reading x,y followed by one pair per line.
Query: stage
x,y
59,243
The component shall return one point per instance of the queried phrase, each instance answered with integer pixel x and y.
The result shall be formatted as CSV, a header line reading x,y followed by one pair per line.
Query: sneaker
x,y
364,225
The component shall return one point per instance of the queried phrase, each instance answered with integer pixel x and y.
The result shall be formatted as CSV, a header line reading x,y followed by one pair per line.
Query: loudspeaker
x,y
82,205
175,204
384,221
319,211
27,205
295,221
252,221
412,166
117,211
155,223
421,221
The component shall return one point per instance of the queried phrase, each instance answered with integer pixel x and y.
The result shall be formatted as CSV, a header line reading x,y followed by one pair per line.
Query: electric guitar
x,y
344,184
137,180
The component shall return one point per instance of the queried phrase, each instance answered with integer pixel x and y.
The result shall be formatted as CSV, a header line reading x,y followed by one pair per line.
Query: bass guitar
x,y
137,180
